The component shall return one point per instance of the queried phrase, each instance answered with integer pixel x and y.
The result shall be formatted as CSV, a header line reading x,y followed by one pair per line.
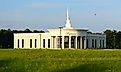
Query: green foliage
x,y
60,60
113,39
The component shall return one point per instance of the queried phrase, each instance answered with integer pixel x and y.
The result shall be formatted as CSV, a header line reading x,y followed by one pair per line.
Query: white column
x,y
105,42
46,43
62,42
33,43
55,42
69,42
88,42
40,43
101,43
85,42
51,42
76,42
94,42
80,42
98,43
20,43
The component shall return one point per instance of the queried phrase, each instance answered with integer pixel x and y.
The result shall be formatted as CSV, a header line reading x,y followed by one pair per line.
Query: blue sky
x,y
43,14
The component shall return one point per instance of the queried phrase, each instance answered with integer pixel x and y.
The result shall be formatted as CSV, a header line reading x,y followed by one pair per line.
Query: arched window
x,y
18,43
87,43
43,43
35,43
30,43
48,43
22,43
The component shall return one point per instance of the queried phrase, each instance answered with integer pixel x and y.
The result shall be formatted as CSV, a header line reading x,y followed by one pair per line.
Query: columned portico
x,y
76,42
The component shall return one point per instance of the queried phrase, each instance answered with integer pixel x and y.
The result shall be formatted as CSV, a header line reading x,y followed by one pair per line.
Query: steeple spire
x,y
68,21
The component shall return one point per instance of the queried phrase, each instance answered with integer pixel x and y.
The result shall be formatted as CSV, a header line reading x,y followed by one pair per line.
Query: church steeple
x,y
68,21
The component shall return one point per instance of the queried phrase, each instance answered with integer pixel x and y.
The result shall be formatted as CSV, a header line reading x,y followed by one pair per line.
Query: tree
x,y
113,39
27,31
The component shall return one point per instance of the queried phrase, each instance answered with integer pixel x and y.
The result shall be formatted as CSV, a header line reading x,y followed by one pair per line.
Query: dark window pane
x,y
22,43
30,43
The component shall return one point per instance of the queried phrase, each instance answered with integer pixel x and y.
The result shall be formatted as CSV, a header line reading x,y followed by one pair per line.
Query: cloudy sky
x,y
95,15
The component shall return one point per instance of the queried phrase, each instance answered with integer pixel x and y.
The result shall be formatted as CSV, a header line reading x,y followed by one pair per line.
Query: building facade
x,y
60,38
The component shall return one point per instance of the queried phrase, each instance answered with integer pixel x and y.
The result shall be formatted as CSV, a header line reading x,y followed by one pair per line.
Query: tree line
x,y
7,38
113,37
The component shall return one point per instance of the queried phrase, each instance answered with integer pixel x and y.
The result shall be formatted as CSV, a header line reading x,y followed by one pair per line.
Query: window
x,y
30,43
35,43
43,43
48,43
22,43
87,43
18,43
92,43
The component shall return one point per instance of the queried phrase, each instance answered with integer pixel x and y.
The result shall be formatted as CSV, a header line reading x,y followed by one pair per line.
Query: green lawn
x,y
60,60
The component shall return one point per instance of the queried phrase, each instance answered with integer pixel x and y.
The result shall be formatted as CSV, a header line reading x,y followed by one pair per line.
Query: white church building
x,y
60,38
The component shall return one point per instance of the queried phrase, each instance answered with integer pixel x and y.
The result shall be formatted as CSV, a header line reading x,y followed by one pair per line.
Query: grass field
x,y
60,60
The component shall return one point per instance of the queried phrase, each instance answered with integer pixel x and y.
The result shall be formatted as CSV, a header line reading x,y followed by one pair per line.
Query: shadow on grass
x,y
86,68
8,66
4,63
